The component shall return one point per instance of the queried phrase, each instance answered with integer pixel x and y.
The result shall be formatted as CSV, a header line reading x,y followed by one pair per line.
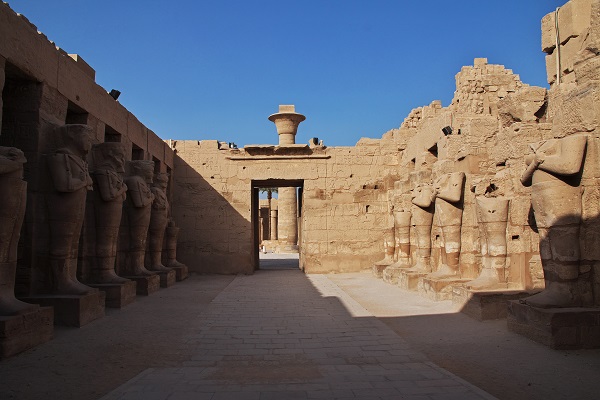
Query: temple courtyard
x,y
282,334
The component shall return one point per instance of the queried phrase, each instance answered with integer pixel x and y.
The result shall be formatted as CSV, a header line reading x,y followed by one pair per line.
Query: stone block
x,y
409,280
145,285
181,273
117,294
392,274
378,270
438,289
486,305
72,310
22,332
558,328
167,279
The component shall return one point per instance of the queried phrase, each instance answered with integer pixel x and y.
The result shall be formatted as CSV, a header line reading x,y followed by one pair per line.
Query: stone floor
x,y
280,334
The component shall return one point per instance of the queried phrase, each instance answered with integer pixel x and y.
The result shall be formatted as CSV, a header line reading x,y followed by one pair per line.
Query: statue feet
x,y
421,266
444,272
10,306
401,263
173,263
64,282
109,276
556,295
386,261
159,268
484,281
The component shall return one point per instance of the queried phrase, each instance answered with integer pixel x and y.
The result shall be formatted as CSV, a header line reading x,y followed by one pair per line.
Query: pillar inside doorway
x,y
287,225
273,224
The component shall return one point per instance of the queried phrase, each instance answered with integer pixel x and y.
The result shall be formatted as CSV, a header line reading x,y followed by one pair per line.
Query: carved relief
x,y
552,172
109,195
13,194
138,208
65,206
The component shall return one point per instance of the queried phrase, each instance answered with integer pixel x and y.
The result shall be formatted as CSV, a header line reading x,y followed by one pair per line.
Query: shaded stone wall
x,y
45,87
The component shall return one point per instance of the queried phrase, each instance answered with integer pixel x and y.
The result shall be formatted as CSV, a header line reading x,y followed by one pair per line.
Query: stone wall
x,y
344,203
44,87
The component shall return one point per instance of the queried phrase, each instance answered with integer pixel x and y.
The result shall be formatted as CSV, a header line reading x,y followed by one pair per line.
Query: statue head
x,y
161,180
109,155
13,154
141,168
76,137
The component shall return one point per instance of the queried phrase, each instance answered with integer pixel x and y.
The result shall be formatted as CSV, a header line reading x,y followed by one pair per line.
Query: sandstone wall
x,y
344,203
44,87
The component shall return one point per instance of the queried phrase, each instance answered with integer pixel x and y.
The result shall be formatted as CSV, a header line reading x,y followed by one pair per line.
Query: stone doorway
x,y
277,231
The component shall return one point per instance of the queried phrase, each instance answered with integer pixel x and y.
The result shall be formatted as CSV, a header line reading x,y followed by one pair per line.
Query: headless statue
x,y
65,205
158,222
109,195
552,172
422,198
448,210
13,194
138,208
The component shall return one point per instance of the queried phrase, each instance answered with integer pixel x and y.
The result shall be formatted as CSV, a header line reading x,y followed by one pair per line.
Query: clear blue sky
x,y
199,69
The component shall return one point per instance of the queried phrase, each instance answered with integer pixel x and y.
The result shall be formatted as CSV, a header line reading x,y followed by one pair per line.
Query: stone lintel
x,y
558,328
25,331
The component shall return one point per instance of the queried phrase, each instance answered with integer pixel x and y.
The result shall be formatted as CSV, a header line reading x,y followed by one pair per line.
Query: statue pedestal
x,y
117,294
392,274
72,310
409,280
378,268
145,285
439,289
181,273
558,328
486,304
22,332
167,279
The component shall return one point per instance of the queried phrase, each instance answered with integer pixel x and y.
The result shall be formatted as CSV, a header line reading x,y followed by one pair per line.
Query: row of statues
x,y
553,171
140,198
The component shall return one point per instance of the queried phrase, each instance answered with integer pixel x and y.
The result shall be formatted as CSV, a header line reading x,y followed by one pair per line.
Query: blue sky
x,y
196,69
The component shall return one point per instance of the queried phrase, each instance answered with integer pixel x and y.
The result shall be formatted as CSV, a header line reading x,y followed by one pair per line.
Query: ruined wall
x,y
344,204
42,88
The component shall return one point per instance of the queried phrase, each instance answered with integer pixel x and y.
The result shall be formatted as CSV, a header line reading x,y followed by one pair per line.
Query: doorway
x,y
276,215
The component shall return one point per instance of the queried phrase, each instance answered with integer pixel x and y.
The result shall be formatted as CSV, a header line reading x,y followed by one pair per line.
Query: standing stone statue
x,y
389,248
171,233
65,206
448,210
158,222
422,198
109,195
13,194
138,208
553,174
492,217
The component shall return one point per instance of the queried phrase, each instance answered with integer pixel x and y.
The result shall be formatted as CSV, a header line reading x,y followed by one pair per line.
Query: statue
x,y
388,246
109,195
138,208
171,233
66,206
492,217
422,198
158,222
448,210
402,239
553,174
13,193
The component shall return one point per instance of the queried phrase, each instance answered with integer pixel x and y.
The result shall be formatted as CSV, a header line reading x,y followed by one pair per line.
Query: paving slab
x,y
280,334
